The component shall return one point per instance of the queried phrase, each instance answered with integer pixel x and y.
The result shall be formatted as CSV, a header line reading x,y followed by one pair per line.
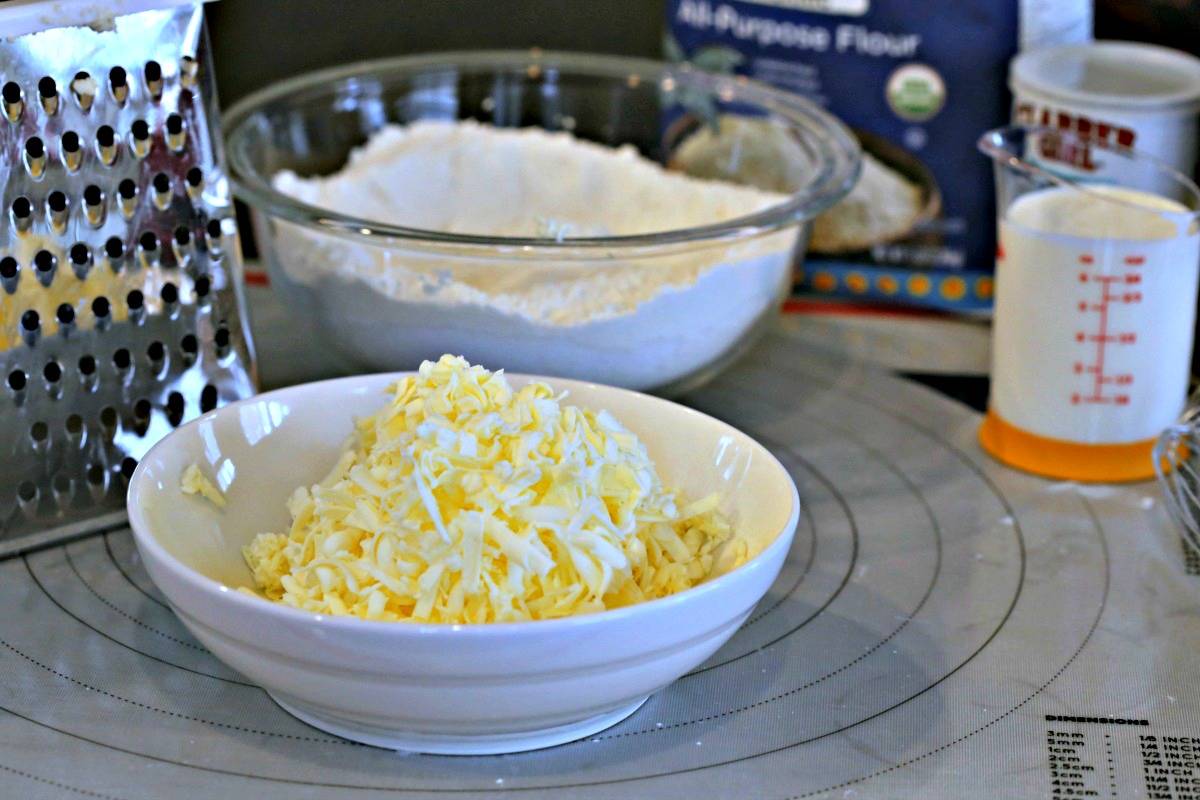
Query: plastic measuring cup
x,y
1096,283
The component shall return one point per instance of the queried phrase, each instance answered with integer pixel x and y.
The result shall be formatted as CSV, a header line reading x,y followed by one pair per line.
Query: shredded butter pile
x,y
463,501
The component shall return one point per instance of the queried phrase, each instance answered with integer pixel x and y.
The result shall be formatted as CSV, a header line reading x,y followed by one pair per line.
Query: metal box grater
x,y
121,308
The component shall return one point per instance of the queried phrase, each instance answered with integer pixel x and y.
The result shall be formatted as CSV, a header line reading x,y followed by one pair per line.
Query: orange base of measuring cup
x,y
1059,458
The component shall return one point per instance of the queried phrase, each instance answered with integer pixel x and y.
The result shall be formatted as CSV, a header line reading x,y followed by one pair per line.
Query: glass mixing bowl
x,y
662,310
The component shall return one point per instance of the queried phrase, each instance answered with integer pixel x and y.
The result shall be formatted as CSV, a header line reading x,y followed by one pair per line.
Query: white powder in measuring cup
x,y
1095,304
640,323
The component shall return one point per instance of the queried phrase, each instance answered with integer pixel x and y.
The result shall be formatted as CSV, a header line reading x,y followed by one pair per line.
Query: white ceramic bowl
x,y
455,689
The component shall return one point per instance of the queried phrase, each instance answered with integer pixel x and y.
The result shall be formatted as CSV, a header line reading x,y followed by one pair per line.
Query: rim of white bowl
x,y
144,538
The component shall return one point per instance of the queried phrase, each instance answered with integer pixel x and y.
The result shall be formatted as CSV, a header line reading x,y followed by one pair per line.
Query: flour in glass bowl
x,y
637,321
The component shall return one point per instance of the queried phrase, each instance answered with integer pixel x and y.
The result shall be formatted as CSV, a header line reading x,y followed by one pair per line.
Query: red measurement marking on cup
x,y
1102,385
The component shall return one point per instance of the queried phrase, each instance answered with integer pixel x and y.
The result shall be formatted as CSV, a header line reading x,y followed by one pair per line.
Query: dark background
x,y
257,42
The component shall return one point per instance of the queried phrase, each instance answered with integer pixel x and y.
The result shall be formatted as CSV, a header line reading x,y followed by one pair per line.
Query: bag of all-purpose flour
x,y
918,83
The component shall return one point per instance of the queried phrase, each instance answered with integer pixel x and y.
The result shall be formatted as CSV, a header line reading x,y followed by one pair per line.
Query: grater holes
x,y
14,104
48,95
161,184
12,93
221,341
71,152
181,245
101,308
194,183
57,211
169,293
121,359
108,418
27,493
202,286
87,365
176,135
9,271
128,465
17,380
52,374
35,157
208,398
175,409
65,314
153,75
81,258
97,480
139,134
30,321
141,416
27,499
39,434
148,249
106,145
156,352
63,486
93,205
190,347
84,90
22,214
127,192
44,265
189,68
135,300
118,84
74,427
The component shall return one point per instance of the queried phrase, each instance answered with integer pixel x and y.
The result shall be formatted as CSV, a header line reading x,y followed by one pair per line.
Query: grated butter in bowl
x,y
493,564
517,208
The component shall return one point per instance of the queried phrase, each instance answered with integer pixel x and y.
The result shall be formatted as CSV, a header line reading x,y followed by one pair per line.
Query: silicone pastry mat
x,y
943,628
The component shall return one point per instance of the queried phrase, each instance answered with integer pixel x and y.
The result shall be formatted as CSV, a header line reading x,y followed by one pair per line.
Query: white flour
x,y
641,323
